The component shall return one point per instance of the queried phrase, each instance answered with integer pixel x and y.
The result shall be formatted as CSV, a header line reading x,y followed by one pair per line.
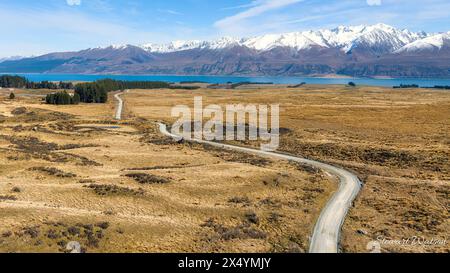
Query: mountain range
x,y
361,51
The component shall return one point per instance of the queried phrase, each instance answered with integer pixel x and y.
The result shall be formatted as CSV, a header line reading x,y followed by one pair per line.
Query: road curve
x,y
119,109
326,234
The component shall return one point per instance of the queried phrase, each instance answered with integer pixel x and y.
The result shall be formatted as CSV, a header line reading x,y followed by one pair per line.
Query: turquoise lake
x,y
423,82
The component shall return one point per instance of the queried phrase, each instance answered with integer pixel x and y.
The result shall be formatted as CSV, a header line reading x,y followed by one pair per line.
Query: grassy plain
x,y
72,173
396,140
66,171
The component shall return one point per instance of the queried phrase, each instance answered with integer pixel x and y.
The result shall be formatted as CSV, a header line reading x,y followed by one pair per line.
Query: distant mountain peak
x,y
13,58
344,37
430,43
374,50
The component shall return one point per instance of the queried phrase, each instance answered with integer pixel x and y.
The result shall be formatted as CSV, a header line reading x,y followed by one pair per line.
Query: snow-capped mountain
x,y
378,39
377,50
171,47
383,37
176,46
431,43
12,58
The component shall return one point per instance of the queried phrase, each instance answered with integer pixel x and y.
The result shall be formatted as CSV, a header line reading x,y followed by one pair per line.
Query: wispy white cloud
x,y
169,11
256,8
70,30
73,2
103,6
252,4
259,19
374,2
79,24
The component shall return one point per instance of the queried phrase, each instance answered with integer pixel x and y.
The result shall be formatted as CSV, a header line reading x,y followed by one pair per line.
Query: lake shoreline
x,y
223,79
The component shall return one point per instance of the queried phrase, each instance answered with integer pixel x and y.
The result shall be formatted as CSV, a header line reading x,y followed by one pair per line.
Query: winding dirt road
x,y
119,109
326,234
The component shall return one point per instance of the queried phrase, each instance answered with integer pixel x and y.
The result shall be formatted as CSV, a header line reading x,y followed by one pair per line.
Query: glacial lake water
x,y
422,82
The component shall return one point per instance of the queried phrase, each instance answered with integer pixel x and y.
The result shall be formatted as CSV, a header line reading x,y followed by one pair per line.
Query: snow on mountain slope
x,y
435,42
297,40
362,51
187,45
367,41
172,46
383,38
12,58
223,42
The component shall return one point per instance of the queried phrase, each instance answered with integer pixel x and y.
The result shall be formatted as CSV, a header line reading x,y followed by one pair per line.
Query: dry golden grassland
x,y
72,173
397,141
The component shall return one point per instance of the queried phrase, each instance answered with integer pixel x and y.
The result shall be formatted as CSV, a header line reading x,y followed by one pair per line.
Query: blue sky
x,y
32,27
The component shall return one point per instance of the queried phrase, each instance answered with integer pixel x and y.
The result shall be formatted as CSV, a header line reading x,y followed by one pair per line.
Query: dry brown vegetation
x,y
145,178
75,167
212,200
397,141
106,190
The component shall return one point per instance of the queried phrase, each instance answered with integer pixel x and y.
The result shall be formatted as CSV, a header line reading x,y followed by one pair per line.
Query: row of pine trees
x,y
9,81
62,98
92,92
